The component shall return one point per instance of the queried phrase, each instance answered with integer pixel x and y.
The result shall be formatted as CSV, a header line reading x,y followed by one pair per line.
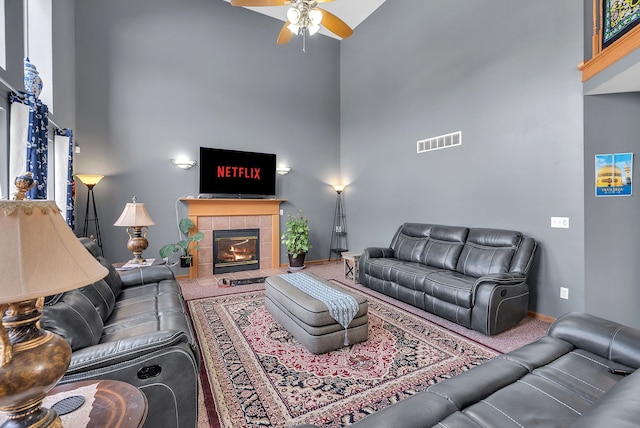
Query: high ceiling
x,y
353,12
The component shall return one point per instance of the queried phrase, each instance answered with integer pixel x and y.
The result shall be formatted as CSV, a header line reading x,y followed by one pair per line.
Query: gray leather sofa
x,y
475,277
132,326
582,374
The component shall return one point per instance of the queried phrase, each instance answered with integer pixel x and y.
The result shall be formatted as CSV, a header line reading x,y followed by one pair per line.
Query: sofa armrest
x,y
145,275
378,252
608,339
499,302
500,279
114,353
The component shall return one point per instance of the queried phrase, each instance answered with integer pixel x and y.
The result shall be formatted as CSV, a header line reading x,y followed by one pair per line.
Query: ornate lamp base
x,y
137,243
32,362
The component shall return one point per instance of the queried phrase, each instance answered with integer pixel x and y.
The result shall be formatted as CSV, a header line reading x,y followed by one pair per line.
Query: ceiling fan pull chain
x,y
304,41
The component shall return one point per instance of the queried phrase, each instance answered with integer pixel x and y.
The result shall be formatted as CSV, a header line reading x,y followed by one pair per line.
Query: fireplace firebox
x,y
236,250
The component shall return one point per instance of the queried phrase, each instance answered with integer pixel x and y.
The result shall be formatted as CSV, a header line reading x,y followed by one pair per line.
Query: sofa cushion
x,y
382,268
584,373
529,402
73,316
452,287
409,248
101,296
113,278
617,408
410,240
145,309
444,246
488,251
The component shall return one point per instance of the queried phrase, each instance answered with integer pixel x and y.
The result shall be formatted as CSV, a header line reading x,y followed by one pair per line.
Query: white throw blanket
x,y
342,307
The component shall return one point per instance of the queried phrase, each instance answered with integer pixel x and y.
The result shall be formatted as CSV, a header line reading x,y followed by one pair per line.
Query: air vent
x,y
441,142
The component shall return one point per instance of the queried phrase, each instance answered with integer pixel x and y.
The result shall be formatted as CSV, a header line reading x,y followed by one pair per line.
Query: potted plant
x,y
296,239
184,246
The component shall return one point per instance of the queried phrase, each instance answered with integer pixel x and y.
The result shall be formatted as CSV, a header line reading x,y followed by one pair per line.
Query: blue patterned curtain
x,y
67,176
37,145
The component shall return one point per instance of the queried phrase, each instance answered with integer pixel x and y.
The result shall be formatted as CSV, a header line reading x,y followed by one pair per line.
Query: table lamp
x,y
39,256
134,217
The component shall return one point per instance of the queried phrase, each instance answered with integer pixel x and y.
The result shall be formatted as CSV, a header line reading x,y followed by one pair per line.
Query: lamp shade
x,y
89,180
39,254
134,214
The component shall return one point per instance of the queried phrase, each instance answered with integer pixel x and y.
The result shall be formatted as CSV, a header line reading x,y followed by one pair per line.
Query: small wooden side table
x,y
351,265
115,404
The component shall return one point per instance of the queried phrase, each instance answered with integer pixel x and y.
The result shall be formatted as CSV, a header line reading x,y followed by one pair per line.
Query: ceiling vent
x,y
441,142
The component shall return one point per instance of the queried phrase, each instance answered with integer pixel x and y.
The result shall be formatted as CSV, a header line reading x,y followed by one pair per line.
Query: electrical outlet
x,y
561,222
564,293
281,212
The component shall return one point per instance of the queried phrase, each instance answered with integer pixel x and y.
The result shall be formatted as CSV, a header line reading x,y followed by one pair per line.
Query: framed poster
x,y
613,174
619,16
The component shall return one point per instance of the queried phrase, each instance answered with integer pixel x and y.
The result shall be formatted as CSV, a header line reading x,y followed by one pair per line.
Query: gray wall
x,y
415,70
160,78
155,79
612,235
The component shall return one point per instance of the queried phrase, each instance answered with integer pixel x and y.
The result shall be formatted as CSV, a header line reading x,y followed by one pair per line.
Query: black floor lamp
x,y
339,233
90,180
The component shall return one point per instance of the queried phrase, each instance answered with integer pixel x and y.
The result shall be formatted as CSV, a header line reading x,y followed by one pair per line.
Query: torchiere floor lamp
x,y
90,180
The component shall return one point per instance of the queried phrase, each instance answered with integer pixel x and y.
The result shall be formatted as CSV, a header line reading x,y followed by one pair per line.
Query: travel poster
x,y
613,174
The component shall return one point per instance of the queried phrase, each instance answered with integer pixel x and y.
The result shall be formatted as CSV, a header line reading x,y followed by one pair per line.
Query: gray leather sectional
x,y
476,277
582,374
132,326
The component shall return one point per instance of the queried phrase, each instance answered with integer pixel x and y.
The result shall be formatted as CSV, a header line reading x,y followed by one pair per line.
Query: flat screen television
x,y
234,173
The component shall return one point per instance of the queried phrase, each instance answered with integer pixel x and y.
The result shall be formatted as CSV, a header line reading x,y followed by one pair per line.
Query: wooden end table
x,y
351,265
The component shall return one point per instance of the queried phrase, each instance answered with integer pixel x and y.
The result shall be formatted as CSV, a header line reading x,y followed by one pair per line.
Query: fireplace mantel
x,y
200,211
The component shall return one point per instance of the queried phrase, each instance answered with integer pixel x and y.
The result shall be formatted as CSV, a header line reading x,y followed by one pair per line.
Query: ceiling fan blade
x,y
285,35
258,3
335,24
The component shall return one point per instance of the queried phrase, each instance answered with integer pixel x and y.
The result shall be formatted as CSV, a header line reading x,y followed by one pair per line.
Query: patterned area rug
x,y
261,376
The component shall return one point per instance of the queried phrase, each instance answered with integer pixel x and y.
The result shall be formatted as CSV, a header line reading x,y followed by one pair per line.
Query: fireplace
x,y
236,250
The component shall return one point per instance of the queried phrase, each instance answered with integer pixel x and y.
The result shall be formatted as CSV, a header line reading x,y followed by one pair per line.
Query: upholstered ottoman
x,y
308,319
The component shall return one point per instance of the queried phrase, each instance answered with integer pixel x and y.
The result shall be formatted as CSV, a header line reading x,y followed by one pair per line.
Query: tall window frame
x,y
38,43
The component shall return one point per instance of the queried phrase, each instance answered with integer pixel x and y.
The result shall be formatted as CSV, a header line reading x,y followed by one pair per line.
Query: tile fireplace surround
x,y
226,214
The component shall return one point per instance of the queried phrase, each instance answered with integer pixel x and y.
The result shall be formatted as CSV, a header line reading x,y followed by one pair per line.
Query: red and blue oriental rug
x,y
259,375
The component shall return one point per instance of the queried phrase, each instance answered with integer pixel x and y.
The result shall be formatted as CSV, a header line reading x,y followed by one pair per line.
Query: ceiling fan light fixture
x,y
313,29
293,15
315,16
294,28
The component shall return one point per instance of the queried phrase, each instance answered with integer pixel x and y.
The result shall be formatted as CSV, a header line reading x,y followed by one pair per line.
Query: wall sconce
x,y
283,170
183,163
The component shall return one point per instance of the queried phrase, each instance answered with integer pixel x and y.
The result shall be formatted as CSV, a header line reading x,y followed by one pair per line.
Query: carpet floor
x,y
210,302
260,375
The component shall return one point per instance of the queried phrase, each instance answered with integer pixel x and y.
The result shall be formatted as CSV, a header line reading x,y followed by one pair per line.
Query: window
x,y
3,38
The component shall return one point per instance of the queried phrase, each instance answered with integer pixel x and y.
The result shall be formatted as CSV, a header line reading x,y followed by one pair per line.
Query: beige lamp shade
x,y
134,214
39,254
89,180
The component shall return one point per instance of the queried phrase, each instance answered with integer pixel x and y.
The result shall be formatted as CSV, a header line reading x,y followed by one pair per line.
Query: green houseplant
x,y
296,239
185,246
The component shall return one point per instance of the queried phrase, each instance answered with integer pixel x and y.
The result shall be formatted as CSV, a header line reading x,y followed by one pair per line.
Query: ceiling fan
x,y
304,16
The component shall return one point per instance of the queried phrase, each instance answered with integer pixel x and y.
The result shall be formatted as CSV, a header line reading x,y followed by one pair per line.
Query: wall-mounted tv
x,y
234,173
